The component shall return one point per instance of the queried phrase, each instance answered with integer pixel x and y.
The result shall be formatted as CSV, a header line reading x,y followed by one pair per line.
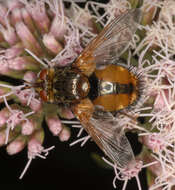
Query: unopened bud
x,y
30,76
16,146
58,28
65,134
148,15
4,115
65,113
2,137
52,44
27,127
28,39
54,125
35,105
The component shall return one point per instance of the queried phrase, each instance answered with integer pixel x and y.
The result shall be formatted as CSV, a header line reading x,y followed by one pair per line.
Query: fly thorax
x,y
79,86
69,85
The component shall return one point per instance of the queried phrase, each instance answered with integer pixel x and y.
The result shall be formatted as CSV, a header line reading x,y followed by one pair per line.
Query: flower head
x,y
39,35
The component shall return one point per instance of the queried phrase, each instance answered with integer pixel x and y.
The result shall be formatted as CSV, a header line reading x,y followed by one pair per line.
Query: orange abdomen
x,y
113,102
117,88
114,73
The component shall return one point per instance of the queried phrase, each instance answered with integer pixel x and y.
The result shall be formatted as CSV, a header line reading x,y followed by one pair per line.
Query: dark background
x,y
65,167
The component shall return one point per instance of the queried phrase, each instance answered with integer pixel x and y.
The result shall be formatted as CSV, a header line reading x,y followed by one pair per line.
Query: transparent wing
x,y
110,137
112,41
115,38
105,131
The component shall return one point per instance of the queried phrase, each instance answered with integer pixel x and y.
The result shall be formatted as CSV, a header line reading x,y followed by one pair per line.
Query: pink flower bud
x,y
54,125
156,169
161,100
2,137
14,51
27,19
83,18
16,16
18,63
16,116
28,39
4,115
65,134
66,113
3,91
39,15
148,15
58,28
3,12
4,67
9,35
35,105
13,4
27,127
133,169
34,146
23,95
52,44
30,76
155,141
36,138
1,37
21,63
16,146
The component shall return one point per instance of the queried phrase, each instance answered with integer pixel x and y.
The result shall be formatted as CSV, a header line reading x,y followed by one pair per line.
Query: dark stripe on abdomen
x,y
123,88
94,88
114,99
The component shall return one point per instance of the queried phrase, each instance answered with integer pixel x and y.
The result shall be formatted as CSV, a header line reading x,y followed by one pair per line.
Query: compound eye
x,y
43,74
43,95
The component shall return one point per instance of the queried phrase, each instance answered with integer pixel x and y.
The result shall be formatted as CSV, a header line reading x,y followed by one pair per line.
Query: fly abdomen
x,y
115,88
